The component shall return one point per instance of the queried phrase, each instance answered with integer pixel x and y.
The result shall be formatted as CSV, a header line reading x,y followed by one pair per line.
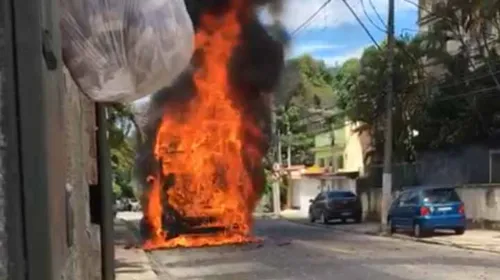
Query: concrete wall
x,y
78,248
83,259
304,189
482,204
371,203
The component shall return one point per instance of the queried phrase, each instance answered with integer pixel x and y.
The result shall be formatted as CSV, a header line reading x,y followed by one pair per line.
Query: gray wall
x,y
83,259
78,250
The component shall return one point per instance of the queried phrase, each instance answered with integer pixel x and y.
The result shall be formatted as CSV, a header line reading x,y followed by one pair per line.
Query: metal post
x,y
106,190
387,175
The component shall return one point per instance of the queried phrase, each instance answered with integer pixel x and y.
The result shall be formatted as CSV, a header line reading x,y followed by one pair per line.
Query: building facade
x,y
48,157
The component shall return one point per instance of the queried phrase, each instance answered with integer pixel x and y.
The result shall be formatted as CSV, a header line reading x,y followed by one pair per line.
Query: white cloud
x,y
334,14
310,47
339,59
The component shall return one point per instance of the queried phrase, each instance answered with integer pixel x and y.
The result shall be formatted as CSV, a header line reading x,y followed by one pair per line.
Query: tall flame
x,y
205,145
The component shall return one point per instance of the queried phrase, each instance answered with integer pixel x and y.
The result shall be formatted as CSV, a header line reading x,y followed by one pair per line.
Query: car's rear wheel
x,y
460,231
417,230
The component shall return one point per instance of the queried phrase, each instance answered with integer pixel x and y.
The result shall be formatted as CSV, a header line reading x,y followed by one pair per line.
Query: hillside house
x,y
338,155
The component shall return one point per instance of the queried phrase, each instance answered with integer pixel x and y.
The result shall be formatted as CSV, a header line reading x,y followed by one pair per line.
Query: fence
x,y
403,174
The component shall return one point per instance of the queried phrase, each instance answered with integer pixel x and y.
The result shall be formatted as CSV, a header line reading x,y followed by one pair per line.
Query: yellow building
x,y
339,150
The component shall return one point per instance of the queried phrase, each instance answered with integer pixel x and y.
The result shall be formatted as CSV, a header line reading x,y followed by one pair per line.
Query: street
x,y
294,251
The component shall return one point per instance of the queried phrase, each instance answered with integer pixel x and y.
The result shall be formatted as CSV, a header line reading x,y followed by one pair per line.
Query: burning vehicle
x,y
206,135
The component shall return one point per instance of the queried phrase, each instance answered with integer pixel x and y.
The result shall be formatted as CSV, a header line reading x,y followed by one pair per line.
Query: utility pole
x,y
280,152
387,175
289,146
277,160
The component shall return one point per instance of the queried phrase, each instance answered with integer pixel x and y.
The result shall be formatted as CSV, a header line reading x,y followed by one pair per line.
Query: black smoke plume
x,y
255,69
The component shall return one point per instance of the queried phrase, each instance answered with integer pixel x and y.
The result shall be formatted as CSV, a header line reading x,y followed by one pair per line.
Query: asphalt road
x,y
295,251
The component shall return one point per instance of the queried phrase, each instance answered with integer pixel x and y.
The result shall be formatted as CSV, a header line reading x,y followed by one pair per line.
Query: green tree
x,y
306,85
361,89
462,104
121,131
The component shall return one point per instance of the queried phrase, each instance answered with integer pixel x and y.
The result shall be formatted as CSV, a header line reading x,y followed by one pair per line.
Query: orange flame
x,y
204,144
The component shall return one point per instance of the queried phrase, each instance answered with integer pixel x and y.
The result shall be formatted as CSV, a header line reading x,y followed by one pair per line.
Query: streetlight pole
x,y
387,174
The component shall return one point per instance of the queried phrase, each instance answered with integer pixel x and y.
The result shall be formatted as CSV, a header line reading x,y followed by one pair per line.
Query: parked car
x,y
425,209
332,205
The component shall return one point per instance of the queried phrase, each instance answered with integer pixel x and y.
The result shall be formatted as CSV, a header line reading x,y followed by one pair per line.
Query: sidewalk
x,y
131,262
473,239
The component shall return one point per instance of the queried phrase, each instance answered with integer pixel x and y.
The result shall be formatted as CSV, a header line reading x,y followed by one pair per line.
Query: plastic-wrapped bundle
x,y
122,50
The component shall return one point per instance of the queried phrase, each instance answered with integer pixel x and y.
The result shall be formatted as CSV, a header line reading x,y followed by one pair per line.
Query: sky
x,y
334,35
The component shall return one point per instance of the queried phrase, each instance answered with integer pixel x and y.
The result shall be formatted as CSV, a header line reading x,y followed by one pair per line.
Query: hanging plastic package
x,y
122,50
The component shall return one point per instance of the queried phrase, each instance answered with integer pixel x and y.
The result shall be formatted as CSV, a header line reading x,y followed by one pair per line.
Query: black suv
x,y
333,205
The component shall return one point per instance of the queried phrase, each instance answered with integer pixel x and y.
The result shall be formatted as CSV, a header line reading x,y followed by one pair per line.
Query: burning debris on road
x,y
206,135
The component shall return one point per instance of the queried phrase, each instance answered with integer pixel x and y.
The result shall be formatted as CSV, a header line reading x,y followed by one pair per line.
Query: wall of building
x,y
304,189
353,151
83,260
74,240
329,147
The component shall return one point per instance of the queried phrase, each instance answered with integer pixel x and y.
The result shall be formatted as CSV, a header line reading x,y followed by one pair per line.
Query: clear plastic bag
x,y
122,50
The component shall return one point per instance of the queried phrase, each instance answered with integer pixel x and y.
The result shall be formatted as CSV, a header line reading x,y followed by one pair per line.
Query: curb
x,y
395,236
137,239
155,264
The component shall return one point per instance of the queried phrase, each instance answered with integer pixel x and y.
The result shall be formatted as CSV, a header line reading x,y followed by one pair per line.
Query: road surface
x,y
295,251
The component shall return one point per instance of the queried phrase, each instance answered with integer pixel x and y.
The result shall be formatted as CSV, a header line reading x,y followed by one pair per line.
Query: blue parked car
x,y
425,209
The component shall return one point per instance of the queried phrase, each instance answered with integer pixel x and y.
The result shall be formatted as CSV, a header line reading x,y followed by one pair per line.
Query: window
x,y
402,198
413,198
444,195
341,195
320,197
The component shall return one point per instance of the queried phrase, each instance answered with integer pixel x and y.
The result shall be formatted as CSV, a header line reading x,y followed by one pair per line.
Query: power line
x,y
308,20
377,13
362,24
370,19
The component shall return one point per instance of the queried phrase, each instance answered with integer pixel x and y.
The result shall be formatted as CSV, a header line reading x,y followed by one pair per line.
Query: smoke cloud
x,y
255,70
